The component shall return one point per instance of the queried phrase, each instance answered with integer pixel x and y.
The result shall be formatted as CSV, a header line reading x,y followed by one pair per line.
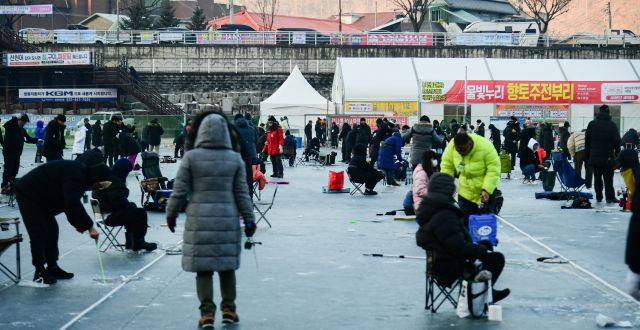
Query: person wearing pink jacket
x,y
421,175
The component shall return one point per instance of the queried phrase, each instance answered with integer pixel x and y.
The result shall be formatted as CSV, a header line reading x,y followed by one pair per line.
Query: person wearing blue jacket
x,y
391,147
39,133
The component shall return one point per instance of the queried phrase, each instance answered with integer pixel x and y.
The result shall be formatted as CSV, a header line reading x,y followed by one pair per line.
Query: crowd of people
x,y
215,181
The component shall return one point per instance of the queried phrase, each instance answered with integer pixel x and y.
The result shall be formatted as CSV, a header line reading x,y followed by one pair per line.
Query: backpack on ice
x,y
474,300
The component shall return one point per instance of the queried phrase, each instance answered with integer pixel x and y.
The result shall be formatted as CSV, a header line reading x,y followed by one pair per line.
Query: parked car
x,y
235,28
289,36
616,37
36,36
176,35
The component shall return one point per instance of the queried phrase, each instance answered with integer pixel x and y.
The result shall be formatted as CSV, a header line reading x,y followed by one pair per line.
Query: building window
x,y
435,15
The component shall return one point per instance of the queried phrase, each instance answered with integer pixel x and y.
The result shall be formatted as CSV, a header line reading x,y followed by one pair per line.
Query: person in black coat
x,y
289,147
96,134
548,143
602,145
528,133
382,133
54,143
630,171
114,201
362,133
335,131
442,232
346,150
564,138
248,139
109,139
154,135
631,137
43,193
87,139
480,127
14,138
495,137
511,133
360,171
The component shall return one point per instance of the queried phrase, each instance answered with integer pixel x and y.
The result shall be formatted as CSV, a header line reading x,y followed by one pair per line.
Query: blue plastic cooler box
x,y
483,227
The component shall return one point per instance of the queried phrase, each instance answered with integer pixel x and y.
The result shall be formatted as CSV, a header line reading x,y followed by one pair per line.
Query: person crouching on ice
x,y
213,179
47,191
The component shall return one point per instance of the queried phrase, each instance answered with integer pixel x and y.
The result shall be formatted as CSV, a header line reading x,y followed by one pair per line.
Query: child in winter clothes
x,y
39,133
290,147
421,175
212,177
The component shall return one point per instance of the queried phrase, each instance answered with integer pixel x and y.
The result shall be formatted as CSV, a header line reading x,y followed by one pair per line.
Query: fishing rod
x,y
379,255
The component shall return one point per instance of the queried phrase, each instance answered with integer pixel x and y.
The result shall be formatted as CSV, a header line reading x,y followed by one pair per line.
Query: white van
x,y
524,33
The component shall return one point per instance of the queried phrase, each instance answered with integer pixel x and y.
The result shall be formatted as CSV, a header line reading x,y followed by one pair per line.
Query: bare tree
x,y
543,11
8,21
267,10
416,10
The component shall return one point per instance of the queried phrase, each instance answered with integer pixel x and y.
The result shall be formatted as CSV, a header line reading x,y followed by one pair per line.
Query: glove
x,y
250,228
171,223
280,149
487,245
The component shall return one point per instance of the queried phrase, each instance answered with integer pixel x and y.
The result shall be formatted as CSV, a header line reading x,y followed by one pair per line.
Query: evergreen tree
x,y
139,13
198,21
167,15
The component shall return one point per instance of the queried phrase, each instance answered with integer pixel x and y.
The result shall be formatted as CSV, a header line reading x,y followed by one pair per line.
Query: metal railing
x,y
312,38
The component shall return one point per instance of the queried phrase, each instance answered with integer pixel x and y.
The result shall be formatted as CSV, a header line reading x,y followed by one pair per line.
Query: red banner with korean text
x,y
531,92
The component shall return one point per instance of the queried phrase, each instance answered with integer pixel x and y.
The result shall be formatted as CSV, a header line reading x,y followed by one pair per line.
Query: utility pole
x,y
118,21
340,16
609,10
376,16
231,11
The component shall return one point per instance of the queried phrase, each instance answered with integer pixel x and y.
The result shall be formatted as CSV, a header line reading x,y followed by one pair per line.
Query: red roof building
x,y
255,21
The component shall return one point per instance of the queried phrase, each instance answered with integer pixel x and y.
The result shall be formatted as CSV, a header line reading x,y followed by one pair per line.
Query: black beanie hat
x,y
441,186
98,173
628,159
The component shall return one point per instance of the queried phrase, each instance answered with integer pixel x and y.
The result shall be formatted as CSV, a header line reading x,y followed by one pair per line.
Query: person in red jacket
x,y
274,146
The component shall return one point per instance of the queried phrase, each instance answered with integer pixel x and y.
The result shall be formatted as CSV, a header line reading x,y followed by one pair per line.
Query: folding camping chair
x,y
110,232
434,300
154,181
356,185
569,180
264,207
8,242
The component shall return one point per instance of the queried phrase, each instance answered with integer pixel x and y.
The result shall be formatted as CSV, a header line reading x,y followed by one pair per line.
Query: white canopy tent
x,y
295,99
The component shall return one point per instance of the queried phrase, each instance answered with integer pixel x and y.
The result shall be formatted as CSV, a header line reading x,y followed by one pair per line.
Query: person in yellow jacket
x,y
474,161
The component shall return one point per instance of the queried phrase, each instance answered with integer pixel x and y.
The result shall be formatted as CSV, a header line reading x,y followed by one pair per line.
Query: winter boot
x,y
142,245
229,316
59,273
500,294
206,320
370,192
43,276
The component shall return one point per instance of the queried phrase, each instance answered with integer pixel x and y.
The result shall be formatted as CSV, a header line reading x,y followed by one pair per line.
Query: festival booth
x,y
296,100
374,87
541,89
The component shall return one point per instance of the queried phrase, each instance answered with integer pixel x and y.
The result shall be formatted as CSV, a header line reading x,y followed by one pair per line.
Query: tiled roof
x,y
280,21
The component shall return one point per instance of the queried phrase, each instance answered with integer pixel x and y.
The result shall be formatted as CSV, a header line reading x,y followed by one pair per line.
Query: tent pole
x,y
465,92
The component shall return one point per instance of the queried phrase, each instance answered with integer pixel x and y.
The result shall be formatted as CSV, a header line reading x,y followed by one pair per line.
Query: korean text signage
x,y
558,113
398,108
232,38
27,10
371,120
48,59
68,95
530,92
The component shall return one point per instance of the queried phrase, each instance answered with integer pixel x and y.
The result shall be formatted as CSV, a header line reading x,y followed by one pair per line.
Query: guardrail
x,y
312,38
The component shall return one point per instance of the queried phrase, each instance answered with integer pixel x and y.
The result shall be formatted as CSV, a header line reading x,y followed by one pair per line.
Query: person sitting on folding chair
x,y
360,171
313,149
113,199
47,191
442,232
